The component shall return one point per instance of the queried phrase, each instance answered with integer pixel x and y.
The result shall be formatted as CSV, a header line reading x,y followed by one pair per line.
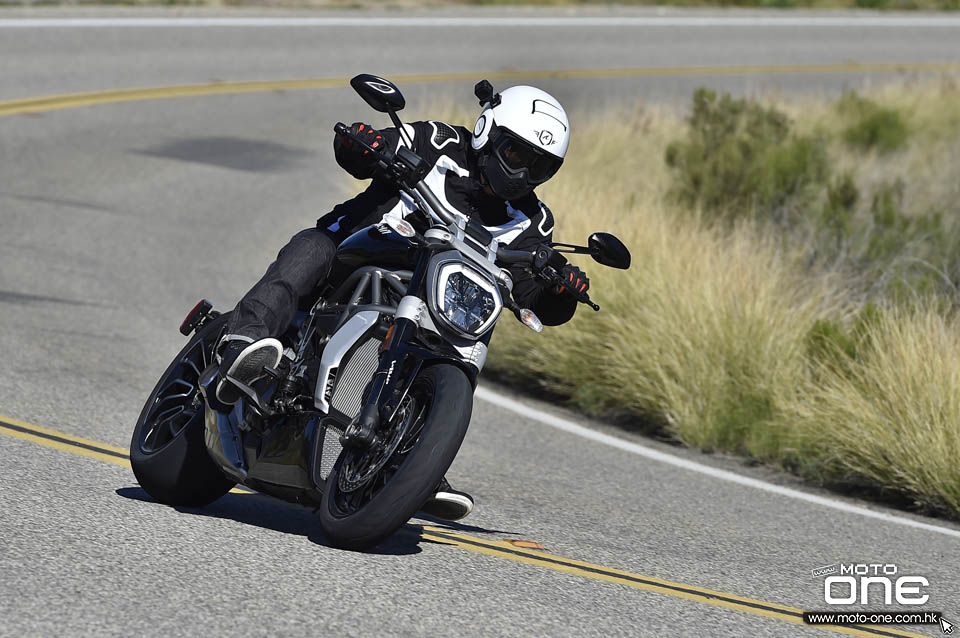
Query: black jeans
x,y
301,266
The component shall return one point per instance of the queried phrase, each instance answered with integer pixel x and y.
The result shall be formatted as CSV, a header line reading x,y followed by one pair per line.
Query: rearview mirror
x,y
382,95
609,251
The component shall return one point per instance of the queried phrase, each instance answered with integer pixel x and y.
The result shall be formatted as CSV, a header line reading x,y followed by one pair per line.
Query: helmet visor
x,y
516,154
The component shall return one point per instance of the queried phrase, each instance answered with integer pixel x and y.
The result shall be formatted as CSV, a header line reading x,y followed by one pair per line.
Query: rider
x,y
519,142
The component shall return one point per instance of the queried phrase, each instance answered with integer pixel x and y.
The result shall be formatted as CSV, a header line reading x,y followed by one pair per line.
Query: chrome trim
x,y
415,309
410,307
475,354
341,341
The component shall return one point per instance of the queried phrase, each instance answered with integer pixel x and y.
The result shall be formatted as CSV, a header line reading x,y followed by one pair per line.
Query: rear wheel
x,y
434,419
167,453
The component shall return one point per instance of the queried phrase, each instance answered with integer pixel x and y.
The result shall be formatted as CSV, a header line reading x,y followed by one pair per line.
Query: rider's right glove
x,y
355,159
572,279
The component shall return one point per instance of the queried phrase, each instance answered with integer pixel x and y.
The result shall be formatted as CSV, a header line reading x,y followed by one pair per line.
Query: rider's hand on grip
x,y
572,281
355,158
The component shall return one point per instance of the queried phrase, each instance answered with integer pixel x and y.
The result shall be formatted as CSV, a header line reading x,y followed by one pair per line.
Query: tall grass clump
x,y
886,411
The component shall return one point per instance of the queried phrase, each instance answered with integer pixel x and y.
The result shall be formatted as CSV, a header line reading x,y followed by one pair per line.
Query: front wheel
x,y
434,416
168,454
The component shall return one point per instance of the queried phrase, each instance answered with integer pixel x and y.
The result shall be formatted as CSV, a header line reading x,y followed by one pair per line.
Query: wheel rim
x,y
411,417
175,405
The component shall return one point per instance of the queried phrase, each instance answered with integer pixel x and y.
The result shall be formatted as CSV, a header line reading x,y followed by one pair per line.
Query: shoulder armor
x,y
546,222
443,134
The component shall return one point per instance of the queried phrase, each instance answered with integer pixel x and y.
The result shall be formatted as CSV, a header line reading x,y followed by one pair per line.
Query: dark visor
x,y
517,154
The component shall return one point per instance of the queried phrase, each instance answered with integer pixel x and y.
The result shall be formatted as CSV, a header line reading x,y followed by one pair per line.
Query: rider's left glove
x,y
354,158
572,279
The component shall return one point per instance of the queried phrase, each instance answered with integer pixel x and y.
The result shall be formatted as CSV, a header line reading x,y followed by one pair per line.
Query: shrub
x,y
842,197
870,125
739,158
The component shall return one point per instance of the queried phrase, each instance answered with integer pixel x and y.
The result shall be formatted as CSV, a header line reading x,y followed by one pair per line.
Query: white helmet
x,y
521,138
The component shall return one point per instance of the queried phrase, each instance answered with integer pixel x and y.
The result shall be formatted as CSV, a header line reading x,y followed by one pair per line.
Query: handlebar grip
x,y
340,127
508,256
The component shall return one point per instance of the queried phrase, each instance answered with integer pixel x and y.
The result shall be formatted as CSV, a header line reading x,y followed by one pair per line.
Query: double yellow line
x,y
73,100
499,549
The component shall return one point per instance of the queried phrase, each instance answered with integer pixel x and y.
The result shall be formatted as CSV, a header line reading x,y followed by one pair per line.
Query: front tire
x,y
168,453
361,519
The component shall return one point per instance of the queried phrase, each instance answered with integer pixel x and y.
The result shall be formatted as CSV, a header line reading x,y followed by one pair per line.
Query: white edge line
x,y
376,21
485,394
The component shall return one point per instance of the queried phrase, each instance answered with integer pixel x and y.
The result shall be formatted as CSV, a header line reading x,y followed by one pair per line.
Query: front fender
x,y
413,359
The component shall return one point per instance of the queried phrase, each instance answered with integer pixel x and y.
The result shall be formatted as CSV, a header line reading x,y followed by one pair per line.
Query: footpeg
x,y
253,398
273,373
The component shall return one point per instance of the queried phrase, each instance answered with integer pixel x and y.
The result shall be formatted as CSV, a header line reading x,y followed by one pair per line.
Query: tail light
x,y
195,316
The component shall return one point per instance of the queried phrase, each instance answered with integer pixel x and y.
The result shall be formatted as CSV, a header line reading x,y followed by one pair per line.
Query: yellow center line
x,y
73,100
499,549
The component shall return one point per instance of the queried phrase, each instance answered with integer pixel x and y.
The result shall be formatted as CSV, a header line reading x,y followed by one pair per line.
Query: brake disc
x,y
361,466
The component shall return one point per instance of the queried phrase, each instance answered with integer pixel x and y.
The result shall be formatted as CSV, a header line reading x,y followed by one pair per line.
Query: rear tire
x,y
422,465
168,453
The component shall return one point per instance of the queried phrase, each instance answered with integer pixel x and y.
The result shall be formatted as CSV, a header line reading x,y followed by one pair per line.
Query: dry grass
x,y
891,417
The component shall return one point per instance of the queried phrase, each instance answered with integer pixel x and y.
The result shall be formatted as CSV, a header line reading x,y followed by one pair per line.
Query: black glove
x,y
572,279
355,159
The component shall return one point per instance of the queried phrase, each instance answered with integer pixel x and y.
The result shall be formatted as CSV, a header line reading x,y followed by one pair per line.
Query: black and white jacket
x,y
454,177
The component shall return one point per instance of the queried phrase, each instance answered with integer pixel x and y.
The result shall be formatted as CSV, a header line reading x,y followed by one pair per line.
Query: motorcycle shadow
x,y
251,508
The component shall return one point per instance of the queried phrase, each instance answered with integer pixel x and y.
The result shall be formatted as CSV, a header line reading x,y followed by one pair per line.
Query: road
x,y
107,216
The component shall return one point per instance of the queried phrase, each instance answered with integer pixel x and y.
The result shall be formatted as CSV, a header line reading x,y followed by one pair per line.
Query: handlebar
x,y
424,191
543,253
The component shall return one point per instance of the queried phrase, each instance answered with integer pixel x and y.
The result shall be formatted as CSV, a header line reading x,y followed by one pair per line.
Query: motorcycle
x,y
372,397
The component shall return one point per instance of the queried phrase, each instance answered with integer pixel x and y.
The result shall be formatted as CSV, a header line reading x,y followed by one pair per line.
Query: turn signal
x,y
400,226
531,320
386,340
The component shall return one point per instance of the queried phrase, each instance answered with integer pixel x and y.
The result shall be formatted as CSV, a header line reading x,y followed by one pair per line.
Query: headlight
x,y
465,299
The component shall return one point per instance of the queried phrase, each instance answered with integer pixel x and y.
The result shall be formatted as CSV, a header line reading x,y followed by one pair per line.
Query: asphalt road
x,y
115,218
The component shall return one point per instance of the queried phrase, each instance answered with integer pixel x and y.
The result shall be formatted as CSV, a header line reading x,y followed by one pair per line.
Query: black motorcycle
x,y
371,400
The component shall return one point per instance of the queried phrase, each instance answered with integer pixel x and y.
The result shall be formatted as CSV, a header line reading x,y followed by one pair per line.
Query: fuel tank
x,y
376,245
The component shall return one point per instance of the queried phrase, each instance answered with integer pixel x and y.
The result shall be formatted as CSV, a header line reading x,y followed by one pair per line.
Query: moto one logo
x,y
868,582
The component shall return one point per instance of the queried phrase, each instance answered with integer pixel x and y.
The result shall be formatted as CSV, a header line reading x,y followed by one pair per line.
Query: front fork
x,y
382,397
382,400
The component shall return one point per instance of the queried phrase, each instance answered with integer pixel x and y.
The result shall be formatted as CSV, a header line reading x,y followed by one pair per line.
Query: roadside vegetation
x,y
793,297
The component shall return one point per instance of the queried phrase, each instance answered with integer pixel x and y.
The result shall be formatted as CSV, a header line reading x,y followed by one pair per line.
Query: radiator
x,y
352,378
